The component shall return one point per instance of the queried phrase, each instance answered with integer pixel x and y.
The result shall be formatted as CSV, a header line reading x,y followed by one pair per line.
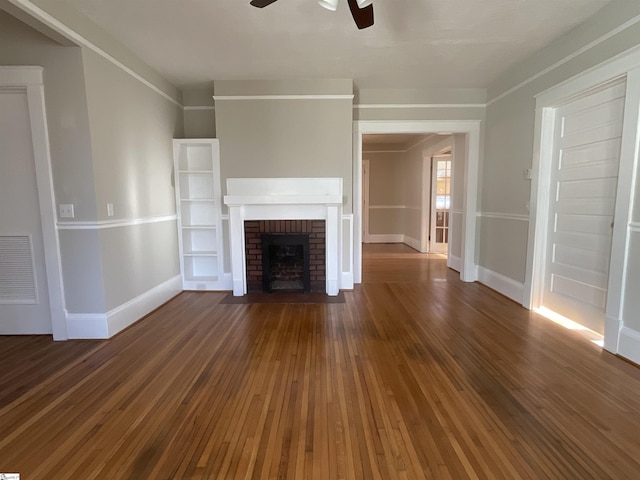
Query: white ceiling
x,y
413,44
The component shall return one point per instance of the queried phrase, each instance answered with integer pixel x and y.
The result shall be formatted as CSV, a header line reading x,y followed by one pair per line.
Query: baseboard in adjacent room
x,y
454,263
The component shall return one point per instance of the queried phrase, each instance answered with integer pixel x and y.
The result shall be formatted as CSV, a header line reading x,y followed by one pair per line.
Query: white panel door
x,y
24,298
583,191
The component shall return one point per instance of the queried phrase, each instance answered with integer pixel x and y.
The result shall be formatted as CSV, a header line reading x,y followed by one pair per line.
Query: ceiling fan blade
x,y
261,3
362,16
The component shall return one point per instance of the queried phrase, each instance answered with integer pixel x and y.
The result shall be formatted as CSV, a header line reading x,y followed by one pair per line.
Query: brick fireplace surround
x,y
253,230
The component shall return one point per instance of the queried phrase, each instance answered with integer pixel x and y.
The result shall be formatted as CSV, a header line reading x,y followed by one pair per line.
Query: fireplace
x,y
310,206
295,248
285,263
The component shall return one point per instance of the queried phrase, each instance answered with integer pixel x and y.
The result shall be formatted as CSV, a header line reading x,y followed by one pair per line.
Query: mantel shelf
x,y
238,200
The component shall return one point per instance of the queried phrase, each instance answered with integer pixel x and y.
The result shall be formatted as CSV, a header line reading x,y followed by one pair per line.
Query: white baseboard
x,y
412,242
394,238
454,263
106,325
611,334
629,344
386,238
128,313
87,326
347,281
504,285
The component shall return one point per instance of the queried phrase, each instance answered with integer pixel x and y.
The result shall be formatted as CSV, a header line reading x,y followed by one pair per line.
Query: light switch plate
x,y
110,209
66,210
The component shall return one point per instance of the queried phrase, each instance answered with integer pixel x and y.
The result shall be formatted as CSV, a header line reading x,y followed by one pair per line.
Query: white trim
x,y
471,128
506,286
629,344
504,216
347,276
20,76
568,58
386,238
44,17
454,263
31,78
87,326
395,238
103,224
281,97
188,108
419,105
412,242
130,312
634,227
106,325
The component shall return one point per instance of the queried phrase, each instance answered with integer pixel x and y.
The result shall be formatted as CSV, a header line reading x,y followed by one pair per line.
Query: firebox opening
x,y
286,263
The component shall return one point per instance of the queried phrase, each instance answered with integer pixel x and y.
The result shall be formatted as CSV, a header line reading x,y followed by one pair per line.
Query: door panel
x,y
582,204
22,249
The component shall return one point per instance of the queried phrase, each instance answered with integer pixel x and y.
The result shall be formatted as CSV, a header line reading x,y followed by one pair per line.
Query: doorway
x,y
470,130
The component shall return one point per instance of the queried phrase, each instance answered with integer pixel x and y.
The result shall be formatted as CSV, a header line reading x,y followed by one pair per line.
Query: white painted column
x,y
333,240
236,229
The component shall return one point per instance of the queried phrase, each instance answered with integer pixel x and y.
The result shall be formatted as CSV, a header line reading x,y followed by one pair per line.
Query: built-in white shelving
x,y
198,203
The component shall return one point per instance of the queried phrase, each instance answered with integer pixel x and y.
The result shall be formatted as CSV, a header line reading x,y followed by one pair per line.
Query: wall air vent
x,y
17,272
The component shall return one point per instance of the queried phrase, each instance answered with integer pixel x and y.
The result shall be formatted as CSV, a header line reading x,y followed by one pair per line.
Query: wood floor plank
x,y
416,375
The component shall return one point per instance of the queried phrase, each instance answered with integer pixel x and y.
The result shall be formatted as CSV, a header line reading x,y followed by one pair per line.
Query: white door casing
x,y
583,189
28,79
365,200
625,65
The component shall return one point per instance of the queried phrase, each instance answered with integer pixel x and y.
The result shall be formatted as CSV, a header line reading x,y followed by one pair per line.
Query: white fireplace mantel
x,y
285,199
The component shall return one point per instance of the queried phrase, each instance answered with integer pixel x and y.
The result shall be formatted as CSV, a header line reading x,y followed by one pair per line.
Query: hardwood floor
x,y
416,376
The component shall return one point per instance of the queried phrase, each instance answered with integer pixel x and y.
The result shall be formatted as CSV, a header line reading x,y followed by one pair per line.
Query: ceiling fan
x,y
361,10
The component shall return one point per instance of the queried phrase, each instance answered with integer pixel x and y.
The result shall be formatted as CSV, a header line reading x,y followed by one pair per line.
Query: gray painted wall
x,y
395,179
132,128
199,113
285,138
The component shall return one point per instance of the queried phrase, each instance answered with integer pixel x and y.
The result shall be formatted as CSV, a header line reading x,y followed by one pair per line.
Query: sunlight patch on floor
x,y
593,337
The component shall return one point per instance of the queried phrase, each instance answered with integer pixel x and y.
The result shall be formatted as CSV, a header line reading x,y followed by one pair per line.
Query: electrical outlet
x,y
66,210
109,209
201,286
527,173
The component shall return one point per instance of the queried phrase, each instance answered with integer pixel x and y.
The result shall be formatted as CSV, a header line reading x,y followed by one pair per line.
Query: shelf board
x,y
199,227
203,200
211,253
195,171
